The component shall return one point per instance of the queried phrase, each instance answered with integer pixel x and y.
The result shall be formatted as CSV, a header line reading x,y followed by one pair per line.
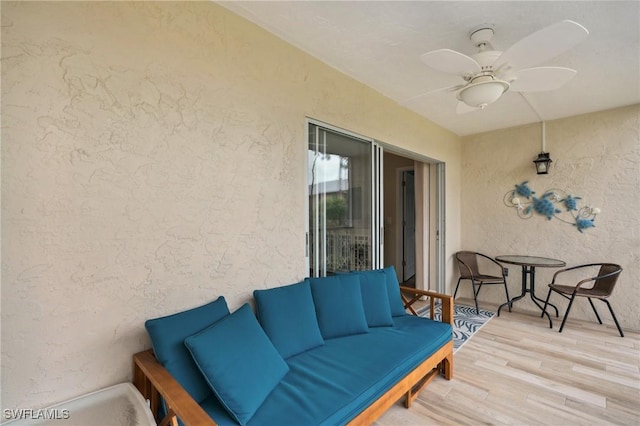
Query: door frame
x,y
437,210
399,210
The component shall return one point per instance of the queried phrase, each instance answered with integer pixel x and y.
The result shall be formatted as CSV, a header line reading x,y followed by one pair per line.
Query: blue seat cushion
x,y
288,316
333,383
167,339
375,298
339,308
239,362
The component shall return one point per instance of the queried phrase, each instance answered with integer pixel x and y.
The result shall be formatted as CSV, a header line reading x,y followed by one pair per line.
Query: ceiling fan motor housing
x,y
482,34
486,58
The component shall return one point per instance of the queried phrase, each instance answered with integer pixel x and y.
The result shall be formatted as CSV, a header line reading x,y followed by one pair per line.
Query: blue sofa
x,y
326,351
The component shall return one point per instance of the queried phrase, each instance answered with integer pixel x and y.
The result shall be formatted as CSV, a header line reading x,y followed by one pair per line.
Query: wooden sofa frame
x,y
154,382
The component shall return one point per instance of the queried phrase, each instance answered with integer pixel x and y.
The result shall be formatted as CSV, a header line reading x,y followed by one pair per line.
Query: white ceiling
x,y
380,42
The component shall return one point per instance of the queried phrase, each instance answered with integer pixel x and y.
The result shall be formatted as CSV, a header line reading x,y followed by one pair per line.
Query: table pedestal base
x,y
530,271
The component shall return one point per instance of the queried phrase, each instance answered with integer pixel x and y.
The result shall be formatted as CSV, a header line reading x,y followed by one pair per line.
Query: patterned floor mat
x,y
466,322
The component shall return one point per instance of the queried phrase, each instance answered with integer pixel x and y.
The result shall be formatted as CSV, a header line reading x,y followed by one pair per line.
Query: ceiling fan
x,y
490,73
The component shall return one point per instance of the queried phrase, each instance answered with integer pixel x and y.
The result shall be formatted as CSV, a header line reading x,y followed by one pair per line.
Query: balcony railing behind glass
x,y
347,250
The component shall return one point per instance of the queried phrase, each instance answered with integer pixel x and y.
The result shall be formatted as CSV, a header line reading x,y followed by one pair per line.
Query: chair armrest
x,y
417,294
151,379
586,280
560,271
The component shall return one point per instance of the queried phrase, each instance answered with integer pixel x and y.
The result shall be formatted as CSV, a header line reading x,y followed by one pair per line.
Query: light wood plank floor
x,y
517,371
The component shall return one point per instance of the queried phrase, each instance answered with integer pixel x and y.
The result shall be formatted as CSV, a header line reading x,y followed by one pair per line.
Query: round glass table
x,y
529,265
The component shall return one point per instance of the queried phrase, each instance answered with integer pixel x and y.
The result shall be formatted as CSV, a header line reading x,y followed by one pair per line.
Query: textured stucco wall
x,y
153,159
596,156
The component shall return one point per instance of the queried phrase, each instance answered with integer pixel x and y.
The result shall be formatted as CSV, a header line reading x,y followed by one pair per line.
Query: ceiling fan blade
x,y
452,62
543,45
442,89
463,108
541,79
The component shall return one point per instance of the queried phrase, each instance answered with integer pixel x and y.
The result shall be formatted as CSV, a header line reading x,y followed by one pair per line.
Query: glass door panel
x,y
341,202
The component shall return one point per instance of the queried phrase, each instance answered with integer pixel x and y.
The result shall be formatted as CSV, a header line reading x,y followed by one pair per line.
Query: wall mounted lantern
x,y
543,162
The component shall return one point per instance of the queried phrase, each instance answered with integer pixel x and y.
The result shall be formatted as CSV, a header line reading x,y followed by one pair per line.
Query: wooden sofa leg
x,y
408,399
446,367
415,390
448,373
145,387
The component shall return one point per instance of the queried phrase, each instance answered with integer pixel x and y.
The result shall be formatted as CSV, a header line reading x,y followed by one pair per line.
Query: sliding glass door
x,y
343,181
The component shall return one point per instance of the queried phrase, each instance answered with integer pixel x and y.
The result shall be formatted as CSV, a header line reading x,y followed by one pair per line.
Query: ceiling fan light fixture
x,y
482,93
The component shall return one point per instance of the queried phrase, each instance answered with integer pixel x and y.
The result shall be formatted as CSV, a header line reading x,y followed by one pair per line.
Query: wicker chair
x,y
468,265
603,284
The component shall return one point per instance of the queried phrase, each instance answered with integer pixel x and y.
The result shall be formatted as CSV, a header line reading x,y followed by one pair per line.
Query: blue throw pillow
x,y
167,338
239,362
288,316
338,301
375,298
393,289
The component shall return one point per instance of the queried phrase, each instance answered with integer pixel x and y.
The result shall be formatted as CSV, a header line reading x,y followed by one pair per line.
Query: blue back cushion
x,y
393,289
339,308
288,316
239,362
375,298
167,338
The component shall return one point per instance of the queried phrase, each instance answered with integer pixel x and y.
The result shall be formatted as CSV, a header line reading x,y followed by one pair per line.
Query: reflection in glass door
x,y
343,189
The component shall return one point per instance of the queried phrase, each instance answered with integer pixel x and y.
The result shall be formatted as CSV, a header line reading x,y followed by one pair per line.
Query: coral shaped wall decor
x,y
553,203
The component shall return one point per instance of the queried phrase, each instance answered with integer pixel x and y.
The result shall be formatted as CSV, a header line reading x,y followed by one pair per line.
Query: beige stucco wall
x,y
153,159
596,156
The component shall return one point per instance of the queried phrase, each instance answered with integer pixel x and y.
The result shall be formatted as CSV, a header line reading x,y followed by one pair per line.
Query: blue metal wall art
x,y
553,203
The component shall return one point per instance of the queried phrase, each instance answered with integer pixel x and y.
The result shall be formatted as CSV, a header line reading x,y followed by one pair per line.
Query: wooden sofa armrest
x,y
417,294
152,380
